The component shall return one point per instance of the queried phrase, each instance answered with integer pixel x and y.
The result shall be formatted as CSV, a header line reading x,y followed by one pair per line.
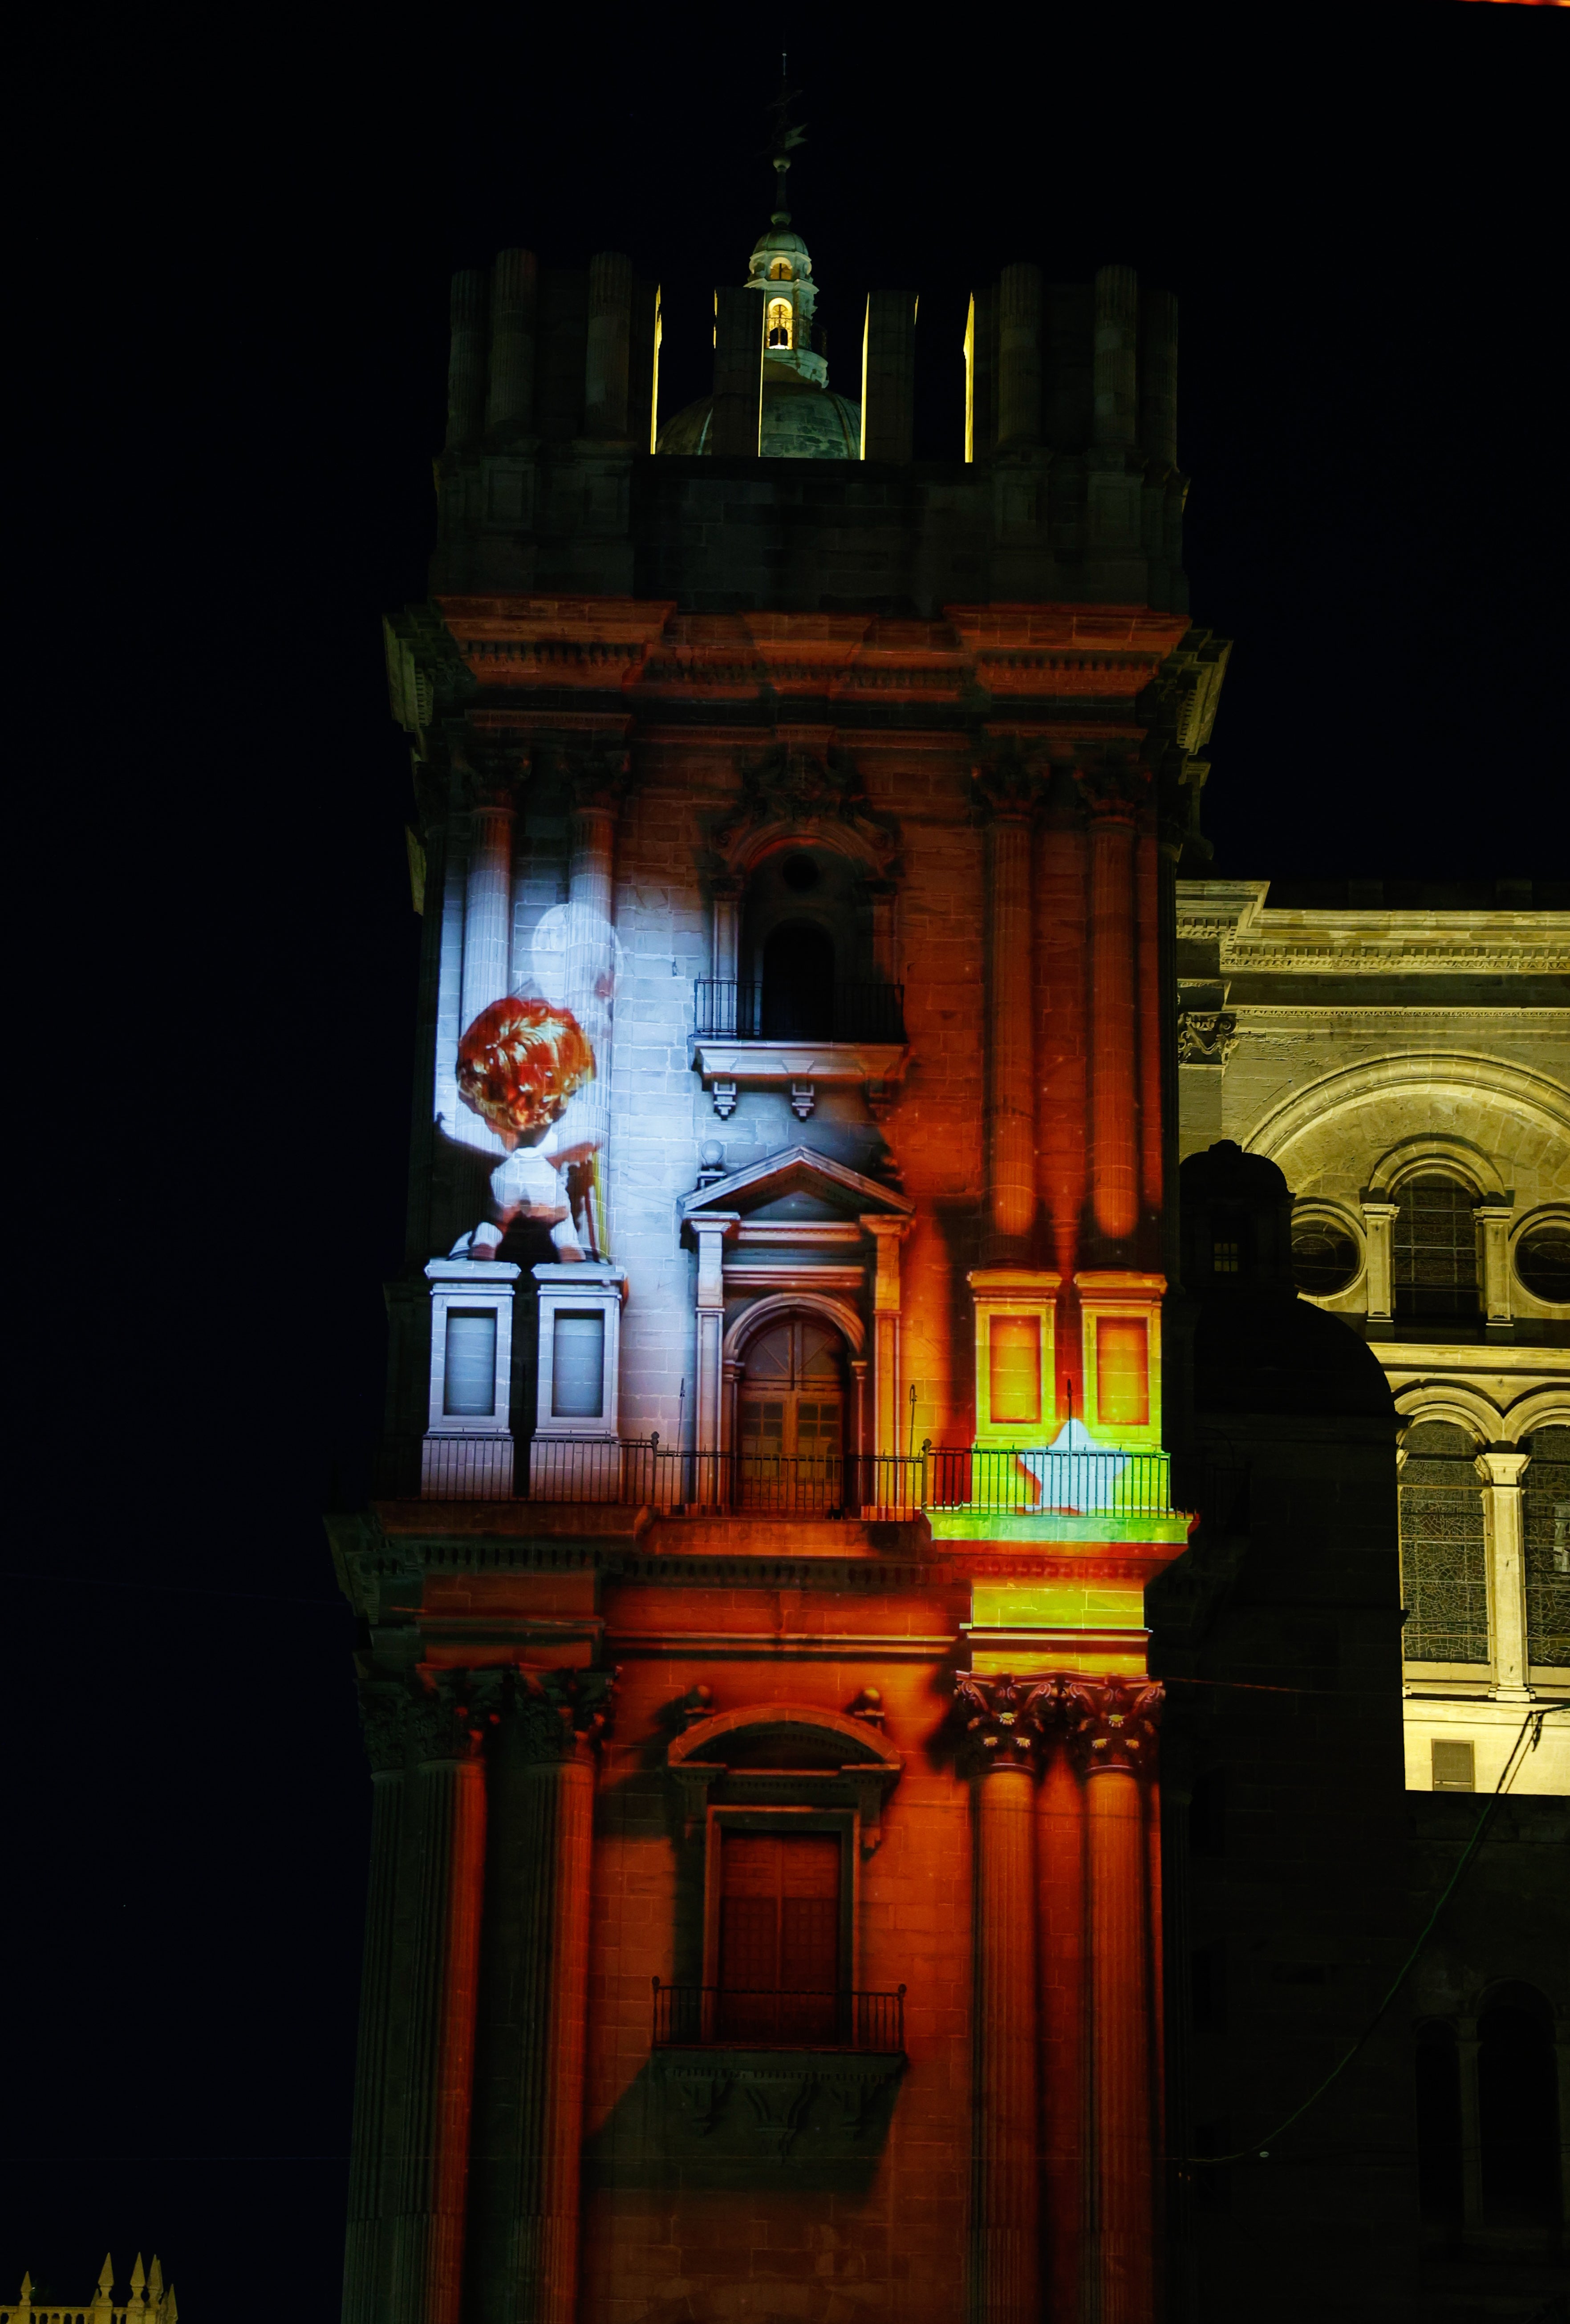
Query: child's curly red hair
x,y
519,1062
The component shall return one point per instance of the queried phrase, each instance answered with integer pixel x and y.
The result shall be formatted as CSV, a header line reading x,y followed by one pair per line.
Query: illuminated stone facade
x,y
822,1554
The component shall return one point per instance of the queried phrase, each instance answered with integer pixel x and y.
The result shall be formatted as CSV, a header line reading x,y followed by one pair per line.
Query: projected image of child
x,y
519,1064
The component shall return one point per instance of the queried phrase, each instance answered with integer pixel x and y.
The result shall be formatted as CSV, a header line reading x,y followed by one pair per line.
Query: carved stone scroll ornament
x,y
556,1714
1007,1720
1205,1036
453,1711
384,1708
793,787
1004,783
1113,1723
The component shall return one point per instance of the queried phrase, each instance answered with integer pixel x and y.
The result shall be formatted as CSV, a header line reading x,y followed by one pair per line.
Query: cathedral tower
x,y
766,1893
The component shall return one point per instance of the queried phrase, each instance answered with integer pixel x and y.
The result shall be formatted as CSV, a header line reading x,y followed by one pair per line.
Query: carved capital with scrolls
x,y
1113,787
554,1714
1205,1036
1005,786
453,1713
1113,1723
1007,1719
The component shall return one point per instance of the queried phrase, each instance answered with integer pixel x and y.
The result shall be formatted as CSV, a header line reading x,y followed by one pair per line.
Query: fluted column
x,y
450,1719
382,1712
1002,1743
487,902
1060,1887
1502,1469
534,2028
515,295
590,976
887,1234
1114,1158
1062,1042
1112,1737
465,369
1006,792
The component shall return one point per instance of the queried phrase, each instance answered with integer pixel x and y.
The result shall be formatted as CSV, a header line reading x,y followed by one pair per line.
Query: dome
x,y
801,422
779,242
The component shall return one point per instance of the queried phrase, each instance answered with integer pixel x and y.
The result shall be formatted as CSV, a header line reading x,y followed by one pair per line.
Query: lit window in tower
x,y
780,270
780,322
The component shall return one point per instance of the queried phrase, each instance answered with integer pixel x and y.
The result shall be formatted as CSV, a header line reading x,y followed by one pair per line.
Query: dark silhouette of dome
x,y
801,422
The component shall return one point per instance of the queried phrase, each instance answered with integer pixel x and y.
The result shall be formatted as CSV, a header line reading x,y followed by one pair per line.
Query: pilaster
x,y
1502,1470
1379,1221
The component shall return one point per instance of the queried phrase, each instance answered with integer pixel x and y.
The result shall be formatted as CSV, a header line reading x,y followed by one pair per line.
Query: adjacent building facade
x,y
834,1525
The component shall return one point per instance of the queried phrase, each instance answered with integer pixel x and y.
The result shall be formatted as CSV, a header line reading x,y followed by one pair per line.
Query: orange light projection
x,y
1014,1350
1122,1371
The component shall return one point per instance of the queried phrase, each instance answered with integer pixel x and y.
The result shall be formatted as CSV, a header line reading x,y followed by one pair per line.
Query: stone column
x,y
514,280
725,894
889,376
1117,300
589,986
609,345
1112,1737
711,1228
1378,1218
887,1234
1501,1470
465,369
1062,1035
487,904
1002,1744
534,2030
1113,1147
450,1722
735,430
1494,1218
1020,304
1060,1831
383,1710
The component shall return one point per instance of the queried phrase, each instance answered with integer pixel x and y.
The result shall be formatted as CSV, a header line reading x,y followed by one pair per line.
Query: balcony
x,y
710,2016
1103,1495
728,1010
753,1035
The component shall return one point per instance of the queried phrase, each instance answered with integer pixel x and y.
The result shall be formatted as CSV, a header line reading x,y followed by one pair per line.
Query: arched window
x,y
1439,2179
1434,1249
791,1417
1518,2106
780,323
1444,1568
799,982
1545,1515
780,271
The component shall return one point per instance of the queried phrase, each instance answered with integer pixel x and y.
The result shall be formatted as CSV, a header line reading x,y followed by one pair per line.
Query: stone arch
x,y
863,1740
1452,1401
1436,1155
1542,1407
780,1305
1328,1133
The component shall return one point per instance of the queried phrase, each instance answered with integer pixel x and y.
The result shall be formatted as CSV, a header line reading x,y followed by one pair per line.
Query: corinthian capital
x,y
453,1713
1113,1723
556,1714
1115,786
1006,1719
1004,784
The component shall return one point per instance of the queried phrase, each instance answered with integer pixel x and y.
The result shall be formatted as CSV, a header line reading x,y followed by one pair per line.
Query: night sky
x,y
230,291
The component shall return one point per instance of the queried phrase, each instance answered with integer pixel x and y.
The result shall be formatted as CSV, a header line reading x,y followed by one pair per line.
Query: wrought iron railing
x,y
1024,1481
698,2016
731,1010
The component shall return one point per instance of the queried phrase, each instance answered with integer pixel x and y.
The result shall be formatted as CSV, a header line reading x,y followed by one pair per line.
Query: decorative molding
x,y
805,783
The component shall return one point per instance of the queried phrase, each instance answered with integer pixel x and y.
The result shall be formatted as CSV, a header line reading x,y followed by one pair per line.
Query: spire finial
x,y
786,136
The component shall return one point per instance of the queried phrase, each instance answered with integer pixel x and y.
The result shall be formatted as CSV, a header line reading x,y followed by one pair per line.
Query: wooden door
x,y
779,1929
792,1419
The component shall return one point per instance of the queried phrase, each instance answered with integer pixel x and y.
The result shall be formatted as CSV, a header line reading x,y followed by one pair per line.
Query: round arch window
x,y
1434,1248
1324,1257
780,323
1543,1261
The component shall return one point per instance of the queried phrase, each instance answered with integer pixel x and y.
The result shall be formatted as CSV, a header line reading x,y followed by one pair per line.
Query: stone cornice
x,y
1380,941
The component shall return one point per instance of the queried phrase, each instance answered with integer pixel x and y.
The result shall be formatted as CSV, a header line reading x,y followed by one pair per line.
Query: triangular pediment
x,y
820,1184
